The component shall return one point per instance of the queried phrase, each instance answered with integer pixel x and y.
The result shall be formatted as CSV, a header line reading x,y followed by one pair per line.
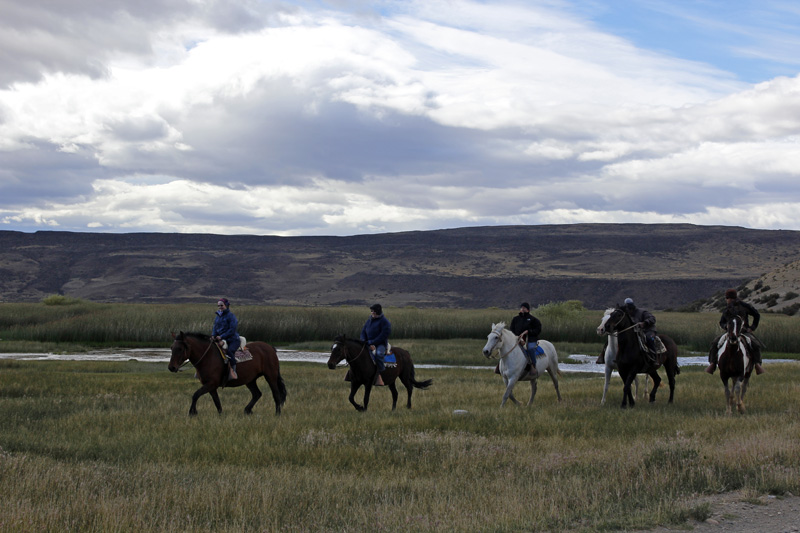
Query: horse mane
x,y
199,336
344,338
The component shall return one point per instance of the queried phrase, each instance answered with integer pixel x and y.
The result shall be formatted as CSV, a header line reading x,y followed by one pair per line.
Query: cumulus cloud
x,y
301,120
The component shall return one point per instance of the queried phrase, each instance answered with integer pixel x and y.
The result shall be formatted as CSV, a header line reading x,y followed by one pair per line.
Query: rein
x,y
499,336
347,353
201,357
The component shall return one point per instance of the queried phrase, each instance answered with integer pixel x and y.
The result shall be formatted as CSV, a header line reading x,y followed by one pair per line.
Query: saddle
x,y
242,354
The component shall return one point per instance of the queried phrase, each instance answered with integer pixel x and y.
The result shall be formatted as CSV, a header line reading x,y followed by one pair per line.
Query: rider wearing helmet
x,y
744,311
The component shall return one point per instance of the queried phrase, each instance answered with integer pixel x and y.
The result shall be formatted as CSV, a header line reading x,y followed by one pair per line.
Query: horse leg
x,y
745,382
409,385
671,378
199,392
656,384
215,397
255,394
393,388
728,399
533,391
354,385
509,391
367,391
554,378
278,392
605,386
626,391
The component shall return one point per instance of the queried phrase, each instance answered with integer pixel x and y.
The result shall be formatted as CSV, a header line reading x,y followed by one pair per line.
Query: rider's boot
x,y
378,380
712,358
533,373
757,358
233,372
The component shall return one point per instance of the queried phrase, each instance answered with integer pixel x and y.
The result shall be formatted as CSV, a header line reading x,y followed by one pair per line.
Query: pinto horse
x,y
363,370
513,361
735,363
631,360
206,357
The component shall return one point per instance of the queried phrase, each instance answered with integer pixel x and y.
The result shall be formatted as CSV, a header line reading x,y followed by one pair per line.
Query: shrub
x,y
60,299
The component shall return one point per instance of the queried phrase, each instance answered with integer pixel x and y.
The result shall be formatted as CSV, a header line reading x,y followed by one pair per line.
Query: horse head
x,y
734,328
338,351
179,351
495,339
601,329
617,319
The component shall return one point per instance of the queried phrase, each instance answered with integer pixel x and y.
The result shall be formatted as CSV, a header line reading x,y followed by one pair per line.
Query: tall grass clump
x,y
140,325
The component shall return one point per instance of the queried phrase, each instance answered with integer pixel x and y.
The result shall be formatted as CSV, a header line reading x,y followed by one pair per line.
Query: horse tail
x,y
282,389
411,371
420,384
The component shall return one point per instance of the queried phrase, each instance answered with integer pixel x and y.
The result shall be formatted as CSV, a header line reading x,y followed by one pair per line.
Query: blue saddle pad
x,y
389,359
539,350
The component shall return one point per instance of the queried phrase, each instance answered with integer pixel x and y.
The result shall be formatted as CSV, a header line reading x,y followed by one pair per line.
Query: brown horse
x,y
735,363
206,357
363,370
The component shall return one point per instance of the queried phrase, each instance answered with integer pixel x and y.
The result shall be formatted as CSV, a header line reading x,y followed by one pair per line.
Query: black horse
x,y
363,370
632,360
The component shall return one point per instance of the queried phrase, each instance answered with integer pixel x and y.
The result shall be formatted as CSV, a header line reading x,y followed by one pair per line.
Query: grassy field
x,y
102,446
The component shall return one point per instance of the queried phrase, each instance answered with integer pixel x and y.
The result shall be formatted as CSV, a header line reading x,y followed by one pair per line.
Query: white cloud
x,y
436,113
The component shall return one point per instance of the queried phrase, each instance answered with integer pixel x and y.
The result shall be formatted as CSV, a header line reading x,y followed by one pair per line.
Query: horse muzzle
x,y
172,368
331,365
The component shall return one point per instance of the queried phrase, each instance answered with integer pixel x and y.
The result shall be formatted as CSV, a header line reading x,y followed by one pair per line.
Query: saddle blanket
x,y
243,354
389,359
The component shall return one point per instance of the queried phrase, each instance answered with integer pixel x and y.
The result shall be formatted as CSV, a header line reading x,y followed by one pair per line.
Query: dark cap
x,y
526,305
377,308
731,293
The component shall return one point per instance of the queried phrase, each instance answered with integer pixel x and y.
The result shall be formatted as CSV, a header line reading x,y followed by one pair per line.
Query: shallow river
x,y
575,362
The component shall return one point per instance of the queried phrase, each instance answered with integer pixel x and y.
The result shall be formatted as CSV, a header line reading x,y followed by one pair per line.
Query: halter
x,y
211,343
500,337
616,333
347,353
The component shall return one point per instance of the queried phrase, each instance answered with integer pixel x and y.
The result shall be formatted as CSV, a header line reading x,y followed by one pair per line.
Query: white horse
x,y
513,361
611,359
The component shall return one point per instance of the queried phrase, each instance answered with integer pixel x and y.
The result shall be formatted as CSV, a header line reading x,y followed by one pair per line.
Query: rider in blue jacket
x,y
376,333
225,324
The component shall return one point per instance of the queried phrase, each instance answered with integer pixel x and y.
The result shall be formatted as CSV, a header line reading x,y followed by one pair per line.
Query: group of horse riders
x,y
376,330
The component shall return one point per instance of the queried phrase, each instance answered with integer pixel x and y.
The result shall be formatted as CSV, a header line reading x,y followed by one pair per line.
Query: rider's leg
x,y
380,352
755,349
531,352
231,351
712,356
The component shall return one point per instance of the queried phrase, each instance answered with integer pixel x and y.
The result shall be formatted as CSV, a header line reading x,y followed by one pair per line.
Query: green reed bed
x,y
83,324
109,446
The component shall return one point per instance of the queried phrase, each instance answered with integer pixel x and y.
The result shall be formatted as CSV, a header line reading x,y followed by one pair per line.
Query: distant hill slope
x,y
660,266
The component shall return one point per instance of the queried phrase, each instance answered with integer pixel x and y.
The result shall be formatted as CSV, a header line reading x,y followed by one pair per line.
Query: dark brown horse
x,y
363,370
631,360
206,357
735,363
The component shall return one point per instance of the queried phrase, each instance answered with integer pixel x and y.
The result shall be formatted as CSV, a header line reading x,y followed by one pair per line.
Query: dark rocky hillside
x,y
661,266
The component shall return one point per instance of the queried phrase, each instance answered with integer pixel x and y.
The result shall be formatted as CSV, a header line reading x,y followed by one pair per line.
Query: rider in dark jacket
x,y
225,324
743,310
527,327
376,333
645,320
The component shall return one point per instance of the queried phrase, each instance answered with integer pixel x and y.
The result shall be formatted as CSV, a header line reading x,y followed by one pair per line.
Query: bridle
x,y
184,347
347,352
499,336
614,325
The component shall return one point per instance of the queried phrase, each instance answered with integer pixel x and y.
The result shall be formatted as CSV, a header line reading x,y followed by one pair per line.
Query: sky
x,y
347,117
